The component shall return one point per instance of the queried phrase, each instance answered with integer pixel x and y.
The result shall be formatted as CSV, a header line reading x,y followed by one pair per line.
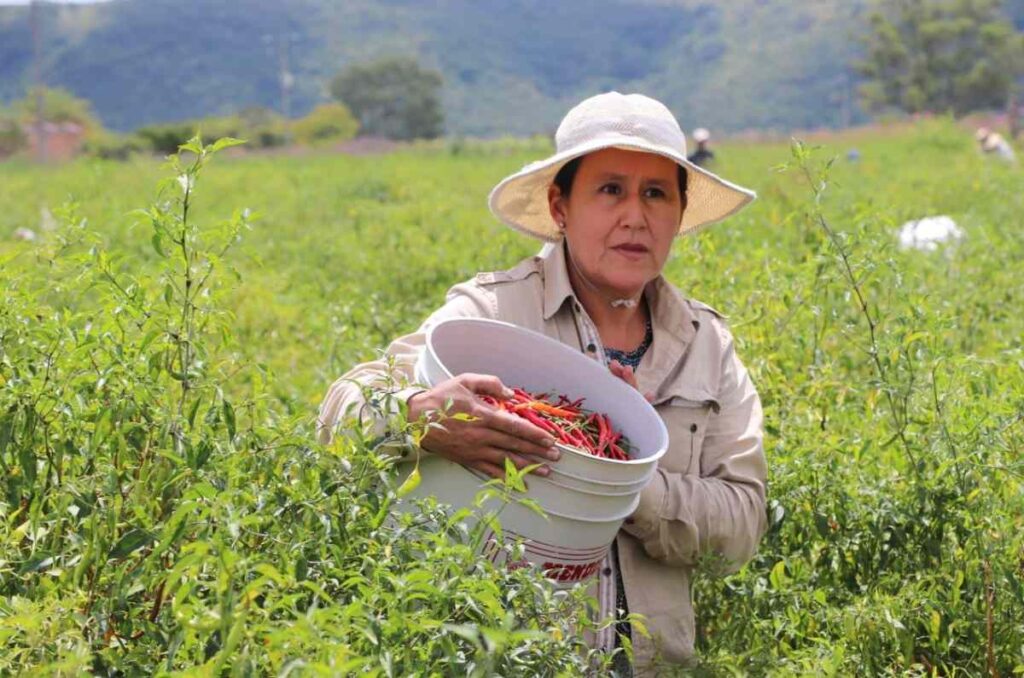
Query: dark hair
x,y
567,174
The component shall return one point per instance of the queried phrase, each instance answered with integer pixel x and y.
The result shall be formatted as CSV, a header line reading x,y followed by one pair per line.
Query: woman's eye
x,y
611,189
654,192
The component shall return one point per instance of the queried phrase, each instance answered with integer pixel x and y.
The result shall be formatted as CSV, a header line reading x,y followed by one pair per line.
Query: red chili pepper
x,y
602,435
590,432
537,420
521,395
548,409
584,442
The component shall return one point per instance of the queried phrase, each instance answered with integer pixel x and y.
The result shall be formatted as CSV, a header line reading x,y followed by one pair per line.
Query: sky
x,y
57,2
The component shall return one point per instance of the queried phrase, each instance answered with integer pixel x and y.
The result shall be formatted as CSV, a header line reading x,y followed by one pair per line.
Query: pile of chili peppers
x,y
568,422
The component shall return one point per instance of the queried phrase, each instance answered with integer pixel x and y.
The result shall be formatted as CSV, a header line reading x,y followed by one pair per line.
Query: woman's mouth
x,y
632,250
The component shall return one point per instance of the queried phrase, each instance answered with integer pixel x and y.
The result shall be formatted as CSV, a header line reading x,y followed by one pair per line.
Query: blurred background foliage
x,y
508,68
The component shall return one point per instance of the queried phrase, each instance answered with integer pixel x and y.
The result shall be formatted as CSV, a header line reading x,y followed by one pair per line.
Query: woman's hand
x,y
484,442
627,375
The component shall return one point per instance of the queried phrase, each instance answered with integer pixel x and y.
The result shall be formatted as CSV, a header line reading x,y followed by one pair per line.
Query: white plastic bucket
x,y
560,477
586,498
567,547
530,360
555,496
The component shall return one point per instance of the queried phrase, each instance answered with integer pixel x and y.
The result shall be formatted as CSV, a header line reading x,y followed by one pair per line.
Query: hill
x,y
509,67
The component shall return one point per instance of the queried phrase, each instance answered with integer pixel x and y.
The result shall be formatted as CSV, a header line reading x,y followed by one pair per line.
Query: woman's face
x,y
620,217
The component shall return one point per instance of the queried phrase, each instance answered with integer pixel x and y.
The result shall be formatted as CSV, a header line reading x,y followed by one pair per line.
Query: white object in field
x,y
1004,151
26,234
928,233
586,497
995,144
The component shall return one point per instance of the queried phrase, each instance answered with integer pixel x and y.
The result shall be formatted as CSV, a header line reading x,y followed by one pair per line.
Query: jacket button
x,y
693,428
591,348
607,572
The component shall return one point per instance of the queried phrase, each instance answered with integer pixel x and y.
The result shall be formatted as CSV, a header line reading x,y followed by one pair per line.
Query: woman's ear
x,y
556,204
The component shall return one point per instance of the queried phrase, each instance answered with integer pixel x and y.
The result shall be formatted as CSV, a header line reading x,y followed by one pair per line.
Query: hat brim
x,y
521,199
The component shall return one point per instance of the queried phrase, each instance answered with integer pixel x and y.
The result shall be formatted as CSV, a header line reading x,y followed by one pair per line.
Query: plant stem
x,y
851,278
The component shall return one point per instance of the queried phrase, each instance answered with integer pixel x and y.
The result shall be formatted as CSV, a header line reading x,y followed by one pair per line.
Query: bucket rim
x,y
652,460
428,348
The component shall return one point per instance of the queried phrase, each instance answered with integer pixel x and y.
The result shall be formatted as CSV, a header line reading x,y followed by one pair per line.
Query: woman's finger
x,y
487,468
485,384
624,373
517,427
497,456
500,439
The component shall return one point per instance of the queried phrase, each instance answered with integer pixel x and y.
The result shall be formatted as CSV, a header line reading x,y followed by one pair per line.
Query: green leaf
x,y
229,417
410,483
6,433
778,577
132,540
192,413
36,564
158,245
194,145
27,460
226,142
148,339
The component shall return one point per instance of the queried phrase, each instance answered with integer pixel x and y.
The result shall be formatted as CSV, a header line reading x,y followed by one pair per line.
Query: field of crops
x,y
164,507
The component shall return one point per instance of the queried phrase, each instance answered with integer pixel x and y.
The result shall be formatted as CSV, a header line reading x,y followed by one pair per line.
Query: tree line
x,y
945,56
940,56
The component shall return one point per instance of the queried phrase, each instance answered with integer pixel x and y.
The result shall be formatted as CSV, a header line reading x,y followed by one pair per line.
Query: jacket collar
x,y
557,287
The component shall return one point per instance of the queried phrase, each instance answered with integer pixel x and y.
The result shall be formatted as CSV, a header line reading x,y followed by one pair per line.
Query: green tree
x,y
393,97
939,55
326,123
12,138
58,105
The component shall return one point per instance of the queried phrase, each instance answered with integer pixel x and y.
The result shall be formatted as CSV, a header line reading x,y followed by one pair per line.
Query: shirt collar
x,y
557,287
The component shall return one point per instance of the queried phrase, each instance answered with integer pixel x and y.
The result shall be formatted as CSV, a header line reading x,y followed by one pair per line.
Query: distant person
x,y
611,201
993,143
703,156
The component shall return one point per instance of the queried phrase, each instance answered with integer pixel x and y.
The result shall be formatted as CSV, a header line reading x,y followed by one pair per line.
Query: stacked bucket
x,y
585,498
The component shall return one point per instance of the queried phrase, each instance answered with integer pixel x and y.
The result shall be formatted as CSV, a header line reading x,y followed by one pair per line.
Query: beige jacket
x,y
708,495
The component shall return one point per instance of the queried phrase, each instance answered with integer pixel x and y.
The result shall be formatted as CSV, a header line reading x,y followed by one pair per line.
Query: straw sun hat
x,y
629,121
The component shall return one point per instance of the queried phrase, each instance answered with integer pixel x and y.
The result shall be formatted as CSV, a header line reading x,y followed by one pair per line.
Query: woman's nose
x,y
633,215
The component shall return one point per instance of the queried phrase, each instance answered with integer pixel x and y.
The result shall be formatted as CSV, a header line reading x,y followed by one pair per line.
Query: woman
x,y
611,200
